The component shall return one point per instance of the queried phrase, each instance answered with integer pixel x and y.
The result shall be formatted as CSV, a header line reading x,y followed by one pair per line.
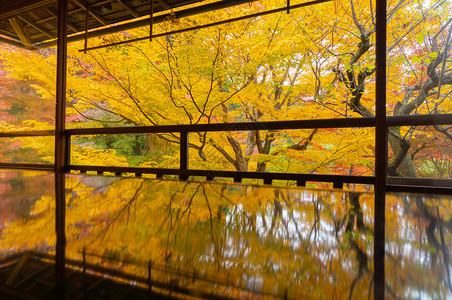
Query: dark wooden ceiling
x,y
29,23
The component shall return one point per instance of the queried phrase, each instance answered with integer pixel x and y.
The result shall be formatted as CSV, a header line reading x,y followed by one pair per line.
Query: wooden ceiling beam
x,y
37,27
69,23
127,6
92,13
163,4
11,42
18,28
9,9
158,19
9,34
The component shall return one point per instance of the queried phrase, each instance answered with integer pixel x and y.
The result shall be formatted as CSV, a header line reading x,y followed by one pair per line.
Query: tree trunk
x,y
406,167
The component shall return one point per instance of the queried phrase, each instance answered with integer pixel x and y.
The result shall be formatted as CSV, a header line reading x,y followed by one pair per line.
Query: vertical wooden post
x,y
301,182
338,185
60,150
60,139
84,269
151,21
67,149
86,27
183,154
381,148
150,276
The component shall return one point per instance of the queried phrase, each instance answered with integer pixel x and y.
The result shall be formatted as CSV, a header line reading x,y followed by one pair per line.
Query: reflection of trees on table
x,y
20,192
418,246
230,239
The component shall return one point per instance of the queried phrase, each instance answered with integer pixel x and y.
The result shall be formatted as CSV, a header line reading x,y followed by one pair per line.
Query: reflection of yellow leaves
x,y
254,235
19,237
45,203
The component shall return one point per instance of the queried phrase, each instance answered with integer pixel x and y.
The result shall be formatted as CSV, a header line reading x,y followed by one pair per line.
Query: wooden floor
x,y
32,276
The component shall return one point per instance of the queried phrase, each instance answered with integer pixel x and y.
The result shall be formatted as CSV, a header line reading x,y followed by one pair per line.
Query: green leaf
x,y
416,59
420,39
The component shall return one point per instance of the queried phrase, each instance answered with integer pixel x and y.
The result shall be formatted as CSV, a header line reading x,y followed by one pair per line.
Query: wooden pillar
x,y
183,164
381,149
60,150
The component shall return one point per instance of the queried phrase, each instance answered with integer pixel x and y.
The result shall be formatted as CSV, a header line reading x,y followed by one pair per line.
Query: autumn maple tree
x,y
21,108
316,62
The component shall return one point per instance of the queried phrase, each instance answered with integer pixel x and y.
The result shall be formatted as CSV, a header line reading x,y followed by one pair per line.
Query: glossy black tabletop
x,y
228,240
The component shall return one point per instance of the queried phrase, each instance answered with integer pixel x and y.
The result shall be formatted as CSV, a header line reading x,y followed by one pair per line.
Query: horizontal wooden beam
x,y
192,11
302,178
9,9
31,133
10,41
227,21
419,120
19,166
418,181
272,125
